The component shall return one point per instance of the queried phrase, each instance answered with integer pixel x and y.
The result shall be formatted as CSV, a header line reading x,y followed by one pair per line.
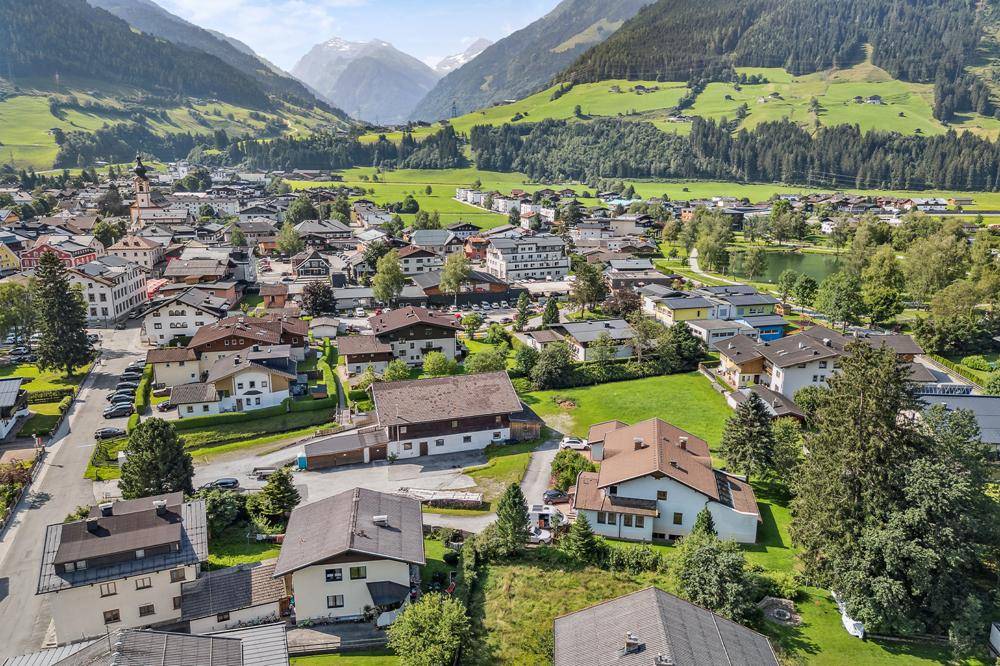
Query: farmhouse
x,y
413,332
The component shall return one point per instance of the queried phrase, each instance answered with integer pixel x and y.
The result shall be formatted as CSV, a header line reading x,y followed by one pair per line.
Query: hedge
x,y
196,422
52,395
313,405
142,392
133,421
958,369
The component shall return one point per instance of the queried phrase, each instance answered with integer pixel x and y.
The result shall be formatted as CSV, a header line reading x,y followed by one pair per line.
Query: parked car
x,y
164,407
538,535
359,312
108,433
130,375
574,443
226,482
504,304
120,326
126,385
119,410
555,496
495,306
506,320
121,399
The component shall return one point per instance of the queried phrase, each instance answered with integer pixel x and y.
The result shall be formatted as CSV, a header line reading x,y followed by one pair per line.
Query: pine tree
x,y
551,314
62,318
580,542
274,504
748,441
521,321
704,523
512,519
155,462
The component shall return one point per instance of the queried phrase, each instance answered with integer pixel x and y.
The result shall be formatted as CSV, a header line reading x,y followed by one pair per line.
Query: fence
x,y
336,646
8,511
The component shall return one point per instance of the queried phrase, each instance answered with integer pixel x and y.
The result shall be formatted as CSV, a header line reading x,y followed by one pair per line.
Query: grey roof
x,y
986,409
539,240
777,404
322,227
386,592
589,331
433,278
186,394
728,290
749,299
343,523
49,657
135,647
231,589
264,645
351,440
193,549
686,302
764,320
444,398
275,359
631,264
9,390
423,237
663,625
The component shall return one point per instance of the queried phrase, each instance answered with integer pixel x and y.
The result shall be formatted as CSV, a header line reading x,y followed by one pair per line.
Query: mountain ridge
x,y
453,62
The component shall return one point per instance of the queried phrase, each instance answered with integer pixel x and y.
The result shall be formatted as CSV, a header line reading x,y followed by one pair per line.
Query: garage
x,y
345,448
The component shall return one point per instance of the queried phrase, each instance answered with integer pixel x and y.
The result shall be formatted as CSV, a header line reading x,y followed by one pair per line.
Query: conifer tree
x,y
551,314
62,318
512,519
155,462
274,503
580,542
704,523
748,440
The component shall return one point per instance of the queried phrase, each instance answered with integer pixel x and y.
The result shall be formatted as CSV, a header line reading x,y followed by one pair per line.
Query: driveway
x,y
57,490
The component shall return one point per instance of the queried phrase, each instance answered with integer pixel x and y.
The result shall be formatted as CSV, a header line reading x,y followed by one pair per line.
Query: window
x,y
454,424
613,490
112,616
333,575
661,494
466,438
108,589
222,617
408,446
177,575
335,601
678,519
143,583
496,435
204,408
253,384
177,602
239,385
602,517
146,610
140,553
402,430
357,573
640,522
822,365
438,442
190,409
627,520
81,565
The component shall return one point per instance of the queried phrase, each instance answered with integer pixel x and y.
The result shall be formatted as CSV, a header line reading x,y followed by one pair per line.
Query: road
x,y
57,490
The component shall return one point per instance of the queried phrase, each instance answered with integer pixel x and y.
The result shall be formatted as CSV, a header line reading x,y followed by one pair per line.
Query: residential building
x,y
181,315
463,230
336,572
653,481
145,252
361,351
70,252
230,598
112,287
173,366
634,274
274,295
123,565
527,258
13,405
416,260
310,265
478,287
716,330
778,406
653,628
438,241
580,336
413,332
213,341
326,234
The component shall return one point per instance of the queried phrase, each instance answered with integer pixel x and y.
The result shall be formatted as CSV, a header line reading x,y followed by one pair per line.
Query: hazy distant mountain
x,y
372,81
453,62
152,19
524,62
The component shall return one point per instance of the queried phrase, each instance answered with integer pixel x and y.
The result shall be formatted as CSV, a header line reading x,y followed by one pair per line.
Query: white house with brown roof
x,y
653,481
414,260
355,550
412,332
140,250
182,315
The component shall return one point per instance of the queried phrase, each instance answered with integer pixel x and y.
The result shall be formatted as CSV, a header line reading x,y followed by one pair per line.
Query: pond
x,y
816,266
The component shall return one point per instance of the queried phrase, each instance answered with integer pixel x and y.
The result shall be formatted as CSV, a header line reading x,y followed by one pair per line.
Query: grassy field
x,y
505,464
360,658
232,547
688,401
43,380
43,417
224,438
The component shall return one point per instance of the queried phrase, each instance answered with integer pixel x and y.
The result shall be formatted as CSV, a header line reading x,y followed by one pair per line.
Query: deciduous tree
x,y
389,278
455,273
430,631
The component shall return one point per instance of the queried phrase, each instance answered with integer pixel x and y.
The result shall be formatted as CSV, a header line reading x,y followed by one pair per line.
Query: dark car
x,y
554,496
130,376
164,407
119,410
109,433
228,483
122,386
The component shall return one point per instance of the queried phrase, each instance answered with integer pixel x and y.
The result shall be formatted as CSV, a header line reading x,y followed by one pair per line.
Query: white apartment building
x,y
527,258
182,316
145,252
112,287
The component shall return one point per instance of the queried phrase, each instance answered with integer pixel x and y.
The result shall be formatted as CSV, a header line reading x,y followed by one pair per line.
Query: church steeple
x,y
143,195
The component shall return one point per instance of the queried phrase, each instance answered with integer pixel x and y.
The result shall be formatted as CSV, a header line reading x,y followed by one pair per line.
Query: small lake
x,y
816,266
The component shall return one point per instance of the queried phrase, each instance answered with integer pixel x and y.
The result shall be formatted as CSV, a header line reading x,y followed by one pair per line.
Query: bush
x,y
781,584
633,559
451,558
64,404
142,392
133,421
198,422
313,405
567,465
977,362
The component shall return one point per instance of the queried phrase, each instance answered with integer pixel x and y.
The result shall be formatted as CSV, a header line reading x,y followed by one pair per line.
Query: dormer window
x,y
613,490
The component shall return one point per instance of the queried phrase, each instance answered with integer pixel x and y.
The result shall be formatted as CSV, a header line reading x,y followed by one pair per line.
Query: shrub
x,y
633,559
567,465
133,422
65,404
38,397
781,584
977,362
451,558
142,392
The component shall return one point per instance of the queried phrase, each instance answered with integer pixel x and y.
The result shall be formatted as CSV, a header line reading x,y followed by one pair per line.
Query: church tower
x,y
143,195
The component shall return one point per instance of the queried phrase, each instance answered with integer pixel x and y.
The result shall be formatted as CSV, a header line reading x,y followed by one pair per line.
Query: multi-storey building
x,y
112,287
527,258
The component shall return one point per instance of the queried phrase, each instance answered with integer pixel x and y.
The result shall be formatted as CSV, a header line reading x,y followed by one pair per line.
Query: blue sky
x,y
283,30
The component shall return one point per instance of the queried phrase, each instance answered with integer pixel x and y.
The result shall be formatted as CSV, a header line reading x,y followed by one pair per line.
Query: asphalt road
x,y
57,490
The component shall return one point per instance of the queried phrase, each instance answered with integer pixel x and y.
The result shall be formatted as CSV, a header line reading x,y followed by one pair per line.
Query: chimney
x,y
381,520
92,525
827,342
639,444
236,360
683,441
160,506
632,643
105,508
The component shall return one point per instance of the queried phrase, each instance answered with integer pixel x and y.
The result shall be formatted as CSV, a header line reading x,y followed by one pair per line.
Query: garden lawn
x,y
233,436
687,401
434,551
104,461
505,464
37,379
43,418
232,547
359,658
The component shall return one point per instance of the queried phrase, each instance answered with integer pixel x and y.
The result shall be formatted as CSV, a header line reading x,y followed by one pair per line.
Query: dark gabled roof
x,y
738,349
387,322
350,345
662,624
344,523
170,355
9,390
444,398
263,645
274,359
433,278
135,647
777,404
195,392
232,589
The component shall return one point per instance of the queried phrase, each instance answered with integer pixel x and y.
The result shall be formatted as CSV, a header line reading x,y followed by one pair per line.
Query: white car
x,y
359,312
538,535
574,443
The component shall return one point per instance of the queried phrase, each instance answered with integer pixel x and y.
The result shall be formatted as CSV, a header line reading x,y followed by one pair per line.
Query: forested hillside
x,y
525,61
914,40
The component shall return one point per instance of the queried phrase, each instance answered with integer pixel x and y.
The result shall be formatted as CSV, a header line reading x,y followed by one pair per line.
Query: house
x,y
173,366
8,216
13,405
324,327
540,339
766,327
111,287
123,565
634,274
580,336
653,628
436,416
475,248
71,253
229,598
256,230
361,351
674,309
415,260
326,234
653,480
275,295
478,287
245,380
714,330
740,364
213,341
438,241
139,250
985,408
310,265
530,257
777,405
463,230
412,332
336,572
194,271
10,262
181,315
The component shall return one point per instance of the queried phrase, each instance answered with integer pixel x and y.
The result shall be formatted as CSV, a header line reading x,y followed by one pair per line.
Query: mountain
x,y
525,61
453,62
372,81
150,18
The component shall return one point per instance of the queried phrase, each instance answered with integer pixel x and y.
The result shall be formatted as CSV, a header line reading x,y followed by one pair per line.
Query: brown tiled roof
x,y
361,344
170,355
226,590
741,495
134,242
739,349
265,329
598,431
444,398
589,495
411,250
410,315
273,289
186,394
